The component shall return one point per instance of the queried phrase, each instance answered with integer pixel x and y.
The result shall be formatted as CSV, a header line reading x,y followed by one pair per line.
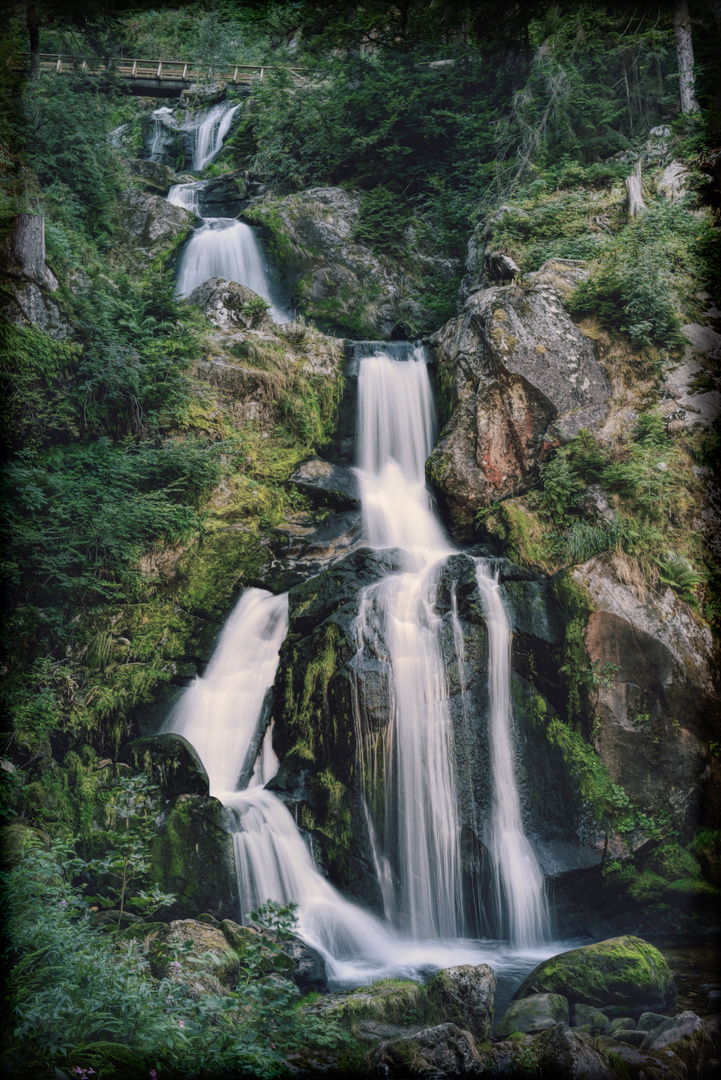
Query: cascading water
x,y
219,714
519,879
220,247
209,131
417,840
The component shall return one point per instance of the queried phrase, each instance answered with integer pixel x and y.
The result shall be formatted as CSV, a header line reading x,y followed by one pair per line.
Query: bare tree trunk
x,y
33,24
684,53
636,205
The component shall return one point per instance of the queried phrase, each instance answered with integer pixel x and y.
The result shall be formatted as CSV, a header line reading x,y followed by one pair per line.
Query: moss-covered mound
x,y
620,973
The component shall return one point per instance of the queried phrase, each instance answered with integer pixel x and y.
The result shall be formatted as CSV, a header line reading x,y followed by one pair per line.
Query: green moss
x,y
523,532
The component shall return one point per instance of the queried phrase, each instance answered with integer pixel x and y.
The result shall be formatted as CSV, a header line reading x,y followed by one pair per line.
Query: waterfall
x,y
519,879
223,247
210,128
420,834
219,714
416,837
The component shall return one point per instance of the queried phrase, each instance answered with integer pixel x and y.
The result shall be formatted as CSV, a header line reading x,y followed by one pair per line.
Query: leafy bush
x,y
381,219
80,1000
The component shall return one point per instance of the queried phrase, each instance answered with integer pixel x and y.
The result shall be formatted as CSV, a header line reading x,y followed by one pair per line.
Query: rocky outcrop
x,y
326,484
333,277
619,975
523,378
442,1051
148,224
464,996
655,708
571,1055
692,390
153,174
32,282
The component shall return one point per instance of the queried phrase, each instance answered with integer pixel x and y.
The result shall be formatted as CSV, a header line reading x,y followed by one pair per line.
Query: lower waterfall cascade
x,y
415,845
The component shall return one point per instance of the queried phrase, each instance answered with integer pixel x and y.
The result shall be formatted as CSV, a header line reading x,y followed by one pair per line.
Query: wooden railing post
x,y
185,73
235,75
160,70
59,65
135,69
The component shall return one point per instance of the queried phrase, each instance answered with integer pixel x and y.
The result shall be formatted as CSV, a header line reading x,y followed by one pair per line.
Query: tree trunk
x,y
33,24
636,205
684,53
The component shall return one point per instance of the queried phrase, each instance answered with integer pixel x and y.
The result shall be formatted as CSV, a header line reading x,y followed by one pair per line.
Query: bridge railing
x,y
160,70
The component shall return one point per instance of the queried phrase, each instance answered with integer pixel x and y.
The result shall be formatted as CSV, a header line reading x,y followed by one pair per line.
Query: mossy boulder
x,y
587,1016
618,975
249,943
565,1054
191,855
390,1001
532,1014
464,996
195,953
171,762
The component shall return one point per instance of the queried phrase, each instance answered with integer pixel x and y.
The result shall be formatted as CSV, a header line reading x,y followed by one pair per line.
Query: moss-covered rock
x,y
392,1001
464,996
192,856
532,1014
196,953
623,973
443,1050
171,762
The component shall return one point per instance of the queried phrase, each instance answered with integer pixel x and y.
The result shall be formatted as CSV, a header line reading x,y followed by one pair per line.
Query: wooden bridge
x,y
154,78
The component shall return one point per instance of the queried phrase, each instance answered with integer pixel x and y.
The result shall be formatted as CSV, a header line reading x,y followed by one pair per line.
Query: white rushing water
x,y
417,841
209,131
519,879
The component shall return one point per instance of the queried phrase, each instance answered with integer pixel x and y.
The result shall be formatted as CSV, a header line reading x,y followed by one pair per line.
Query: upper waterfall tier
x,y
201,134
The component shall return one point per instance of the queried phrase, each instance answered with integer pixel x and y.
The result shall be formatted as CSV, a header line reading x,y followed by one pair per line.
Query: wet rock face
x,y
171,762
533,1014
523,378
23,255
444,1050
464,995
326,484
334,278
154,175
657,705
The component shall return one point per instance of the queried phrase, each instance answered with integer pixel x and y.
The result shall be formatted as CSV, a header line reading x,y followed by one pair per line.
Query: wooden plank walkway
x,y
180,73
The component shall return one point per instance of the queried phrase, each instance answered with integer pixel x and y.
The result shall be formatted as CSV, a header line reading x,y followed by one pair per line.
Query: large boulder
x,y
618,975
688,1037
523,378
533,1014
171,762
441,1051
656,711
572,1055
327,484
229,304
195,953
334,278
149,224
464,996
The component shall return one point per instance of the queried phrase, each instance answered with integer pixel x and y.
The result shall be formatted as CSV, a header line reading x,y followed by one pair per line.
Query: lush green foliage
x,y
80,1000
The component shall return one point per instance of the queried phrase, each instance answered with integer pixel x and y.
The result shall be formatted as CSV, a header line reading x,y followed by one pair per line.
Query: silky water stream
x,y
416,852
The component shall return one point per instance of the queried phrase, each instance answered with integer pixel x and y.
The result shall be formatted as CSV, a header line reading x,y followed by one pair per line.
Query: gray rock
x,y
523,377
153,173
326,484
464,995
171,957
228,304
31,306
685,1035
532,1014
191,855
674,181
587,1014
629,1035
501,267
444,1050
150,223
569,1055
653,713
310,971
